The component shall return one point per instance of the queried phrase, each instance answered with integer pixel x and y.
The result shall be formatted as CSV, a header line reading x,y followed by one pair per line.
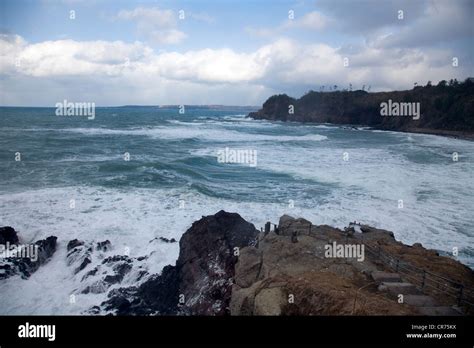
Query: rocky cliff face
x,y
201,281
443,108
289,273
226,267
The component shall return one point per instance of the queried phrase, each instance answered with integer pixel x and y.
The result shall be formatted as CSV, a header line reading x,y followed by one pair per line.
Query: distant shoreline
x,y
445,109
462,135
445,133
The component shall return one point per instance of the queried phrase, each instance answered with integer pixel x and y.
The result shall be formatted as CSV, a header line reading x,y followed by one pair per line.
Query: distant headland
x,y
444,109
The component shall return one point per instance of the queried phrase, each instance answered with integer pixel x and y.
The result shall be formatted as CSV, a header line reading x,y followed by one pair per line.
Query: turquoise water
x,y
163,146
173,178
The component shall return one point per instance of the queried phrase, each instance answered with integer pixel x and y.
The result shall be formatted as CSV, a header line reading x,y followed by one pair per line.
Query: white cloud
x,y
10,48
310,21
155,24
281,66
69,57
150,16
167,37
441,21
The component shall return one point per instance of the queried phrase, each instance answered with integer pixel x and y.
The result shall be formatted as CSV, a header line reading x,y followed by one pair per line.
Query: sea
x,y
133,174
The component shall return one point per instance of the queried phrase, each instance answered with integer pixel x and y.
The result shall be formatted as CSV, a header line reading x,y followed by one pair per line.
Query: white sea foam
x,y
127,219
209,134
132,219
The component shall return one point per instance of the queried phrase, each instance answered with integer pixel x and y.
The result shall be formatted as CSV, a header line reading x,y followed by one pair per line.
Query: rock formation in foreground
x,y
226,266
290,273
201,281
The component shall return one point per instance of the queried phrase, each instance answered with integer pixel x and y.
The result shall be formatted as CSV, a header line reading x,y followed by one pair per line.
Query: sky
x,y
225,52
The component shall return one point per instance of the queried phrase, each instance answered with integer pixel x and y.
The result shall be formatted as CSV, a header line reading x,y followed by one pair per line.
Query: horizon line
x,y
138,105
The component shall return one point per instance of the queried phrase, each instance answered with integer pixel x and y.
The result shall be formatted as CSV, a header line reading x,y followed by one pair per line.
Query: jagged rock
x,y
206,261
289,226
74,243
272,275
158,295
96,287
166,240
92,272
83,265
201,282
285,220
111,270
117,258
121,269
104,246
113,279
8,234
376,233
79,254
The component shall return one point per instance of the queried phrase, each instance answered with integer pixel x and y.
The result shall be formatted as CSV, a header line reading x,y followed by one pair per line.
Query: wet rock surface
x,y
227,267
8,234
97,269
37,254
201,281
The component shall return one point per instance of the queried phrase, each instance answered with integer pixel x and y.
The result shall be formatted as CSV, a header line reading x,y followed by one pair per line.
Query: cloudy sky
x,y
225,52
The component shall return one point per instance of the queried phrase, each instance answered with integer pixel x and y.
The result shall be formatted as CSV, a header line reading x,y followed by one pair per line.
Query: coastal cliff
x,y
227,267
445,109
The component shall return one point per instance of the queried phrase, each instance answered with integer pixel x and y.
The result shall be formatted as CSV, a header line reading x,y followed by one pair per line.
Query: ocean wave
x,y
132,218
380,171
210,134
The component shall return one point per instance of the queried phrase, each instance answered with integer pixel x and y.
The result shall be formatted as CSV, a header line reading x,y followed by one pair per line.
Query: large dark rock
x,y
206,261
201,282
8,234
